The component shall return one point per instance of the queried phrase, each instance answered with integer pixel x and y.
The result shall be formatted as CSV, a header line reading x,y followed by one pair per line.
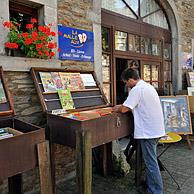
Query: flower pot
x,y
14,52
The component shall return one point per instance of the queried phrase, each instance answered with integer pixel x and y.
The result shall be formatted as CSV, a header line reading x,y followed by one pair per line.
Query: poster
x,y
187,61
75,44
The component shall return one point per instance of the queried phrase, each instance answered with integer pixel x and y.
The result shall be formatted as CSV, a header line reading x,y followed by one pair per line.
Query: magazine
x,y
2,93
71,81
57,80
66,99
47,82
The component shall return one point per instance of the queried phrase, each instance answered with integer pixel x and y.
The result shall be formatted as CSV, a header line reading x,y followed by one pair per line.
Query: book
x,y
88,79
66,99
57,80
2,93
6,136
47,82
71,81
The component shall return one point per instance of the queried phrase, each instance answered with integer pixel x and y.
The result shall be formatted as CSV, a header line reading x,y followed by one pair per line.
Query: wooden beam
x,y
44,168
84,162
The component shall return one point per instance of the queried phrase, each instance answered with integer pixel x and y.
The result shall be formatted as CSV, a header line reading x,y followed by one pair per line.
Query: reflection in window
x,y
147,7
156,47
167,51
120,41
105,39
155,73
118,6
133,4
146,72
106,68
155,84
157,19
133,43
146,46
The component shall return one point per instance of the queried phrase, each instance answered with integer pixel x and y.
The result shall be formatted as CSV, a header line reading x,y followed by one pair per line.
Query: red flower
x,y
25,35
29,26
33,20
51,45
53,34
7,24
52,54
46,53
38,46
11,45
41,28
59,33
28,41
59,49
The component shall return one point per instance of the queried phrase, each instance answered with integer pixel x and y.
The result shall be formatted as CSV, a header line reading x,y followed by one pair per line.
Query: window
x,y
147,11
106,61
22,14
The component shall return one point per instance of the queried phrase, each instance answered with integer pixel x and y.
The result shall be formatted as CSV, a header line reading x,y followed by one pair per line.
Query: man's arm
x,y
121,108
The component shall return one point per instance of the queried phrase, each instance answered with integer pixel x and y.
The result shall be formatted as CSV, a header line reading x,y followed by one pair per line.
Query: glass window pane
x,y
118,6
148,6
157,19
167,76
106,90
146,46
120,41
134,43
155,72
105,68
146,72
156,47
133,4
105,39
167,51
167,66
155,84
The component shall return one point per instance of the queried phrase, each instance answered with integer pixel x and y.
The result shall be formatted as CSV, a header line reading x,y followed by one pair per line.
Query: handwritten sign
x,y
75,44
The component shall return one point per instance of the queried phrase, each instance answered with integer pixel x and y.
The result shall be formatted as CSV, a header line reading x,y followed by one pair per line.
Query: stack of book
x,y
4,133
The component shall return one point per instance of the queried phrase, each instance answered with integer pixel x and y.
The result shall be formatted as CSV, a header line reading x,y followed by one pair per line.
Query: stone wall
x,y
85,15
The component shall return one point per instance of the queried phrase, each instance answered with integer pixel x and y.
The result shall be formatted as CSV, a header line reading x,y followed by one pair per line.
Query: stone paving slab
x,y
178,159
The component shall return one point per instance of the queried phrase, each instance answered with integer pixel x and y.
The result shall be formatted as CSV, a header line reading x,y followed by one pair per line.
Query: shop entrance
x,y
121,89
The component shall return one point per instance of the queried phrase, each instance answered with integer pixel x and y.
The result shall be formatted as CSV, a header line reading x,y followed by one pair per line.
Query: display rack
x,y
97,126
26,150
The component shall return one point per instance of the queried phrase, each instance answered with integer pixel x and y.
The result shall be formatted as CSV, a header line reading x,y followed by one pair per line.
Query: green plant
x,y
35,42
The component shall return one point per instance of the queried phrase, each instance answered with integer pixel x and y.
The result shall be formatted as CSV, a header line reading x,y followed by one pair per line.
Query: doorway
x,y
121,89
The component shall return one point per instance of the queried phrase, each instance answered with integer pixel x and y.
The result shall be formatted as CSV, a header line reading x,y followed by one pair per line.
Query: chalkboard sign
x,y
176,114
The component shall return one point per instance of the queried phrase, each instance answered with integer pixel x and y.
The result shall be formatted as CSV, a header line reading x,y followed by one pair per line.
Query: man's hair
x,y
130,74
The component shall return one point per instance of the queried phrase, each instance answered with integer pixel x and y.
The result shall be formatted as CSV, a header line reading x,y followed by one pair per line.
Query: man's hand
x,y
117,108
120,108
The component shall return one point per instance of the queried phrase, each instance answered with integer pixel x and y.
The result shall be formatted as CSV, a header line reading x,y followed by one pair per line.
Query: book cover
x,y
57,80
66,99
47,82
71,81
88,79
2,94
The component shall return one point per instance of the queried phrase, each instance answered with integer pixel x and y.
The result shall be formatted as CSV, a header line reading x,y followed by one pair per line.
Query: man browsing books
x,y
144,102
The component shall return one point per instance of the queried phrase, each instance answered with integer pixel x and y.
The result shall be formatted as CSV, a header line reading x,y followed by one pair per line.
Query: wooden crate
x,y
83,134
18,154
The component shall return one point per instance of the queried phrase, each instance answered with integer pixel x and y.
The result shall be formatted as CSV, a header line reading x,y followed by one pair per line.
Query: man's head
x,y
130,77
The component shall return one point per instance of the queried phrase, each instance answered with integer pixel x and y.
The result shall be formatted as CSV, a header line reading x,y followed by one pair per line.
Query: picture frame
x,y
190,91
190,78
176,114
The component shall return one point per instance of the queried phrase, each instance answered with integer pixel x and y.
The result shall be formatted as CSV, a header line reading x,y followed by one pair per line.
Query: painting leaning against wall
x,y
176,114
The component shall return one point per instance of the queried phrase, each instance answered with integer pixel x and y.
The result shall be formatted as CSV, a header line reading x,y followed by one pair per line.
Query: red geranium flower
x,y
29,26
33,20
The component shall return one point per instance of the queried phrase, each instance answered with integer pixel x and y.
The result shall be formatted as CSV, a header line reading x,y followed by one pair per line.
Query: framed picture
x,y
190,78
190,91
176,114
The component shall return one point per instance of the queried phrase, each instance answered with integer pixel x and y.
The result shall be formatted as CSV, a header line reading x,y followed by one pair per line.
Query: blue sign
x,y
75,44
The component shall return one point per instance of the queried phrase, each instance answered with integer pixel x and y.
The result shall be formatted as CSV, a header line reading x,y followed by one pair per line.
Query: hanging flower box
x,y
36,42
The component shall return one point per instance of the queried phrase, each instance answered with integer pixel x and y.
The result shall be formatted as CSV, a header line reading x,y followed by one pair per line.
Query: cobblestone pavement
x,y
178,159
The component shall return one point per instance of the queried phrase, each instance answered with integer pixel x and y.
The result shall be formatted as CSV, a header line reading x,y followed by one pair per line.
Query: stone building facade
x,y
86,15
